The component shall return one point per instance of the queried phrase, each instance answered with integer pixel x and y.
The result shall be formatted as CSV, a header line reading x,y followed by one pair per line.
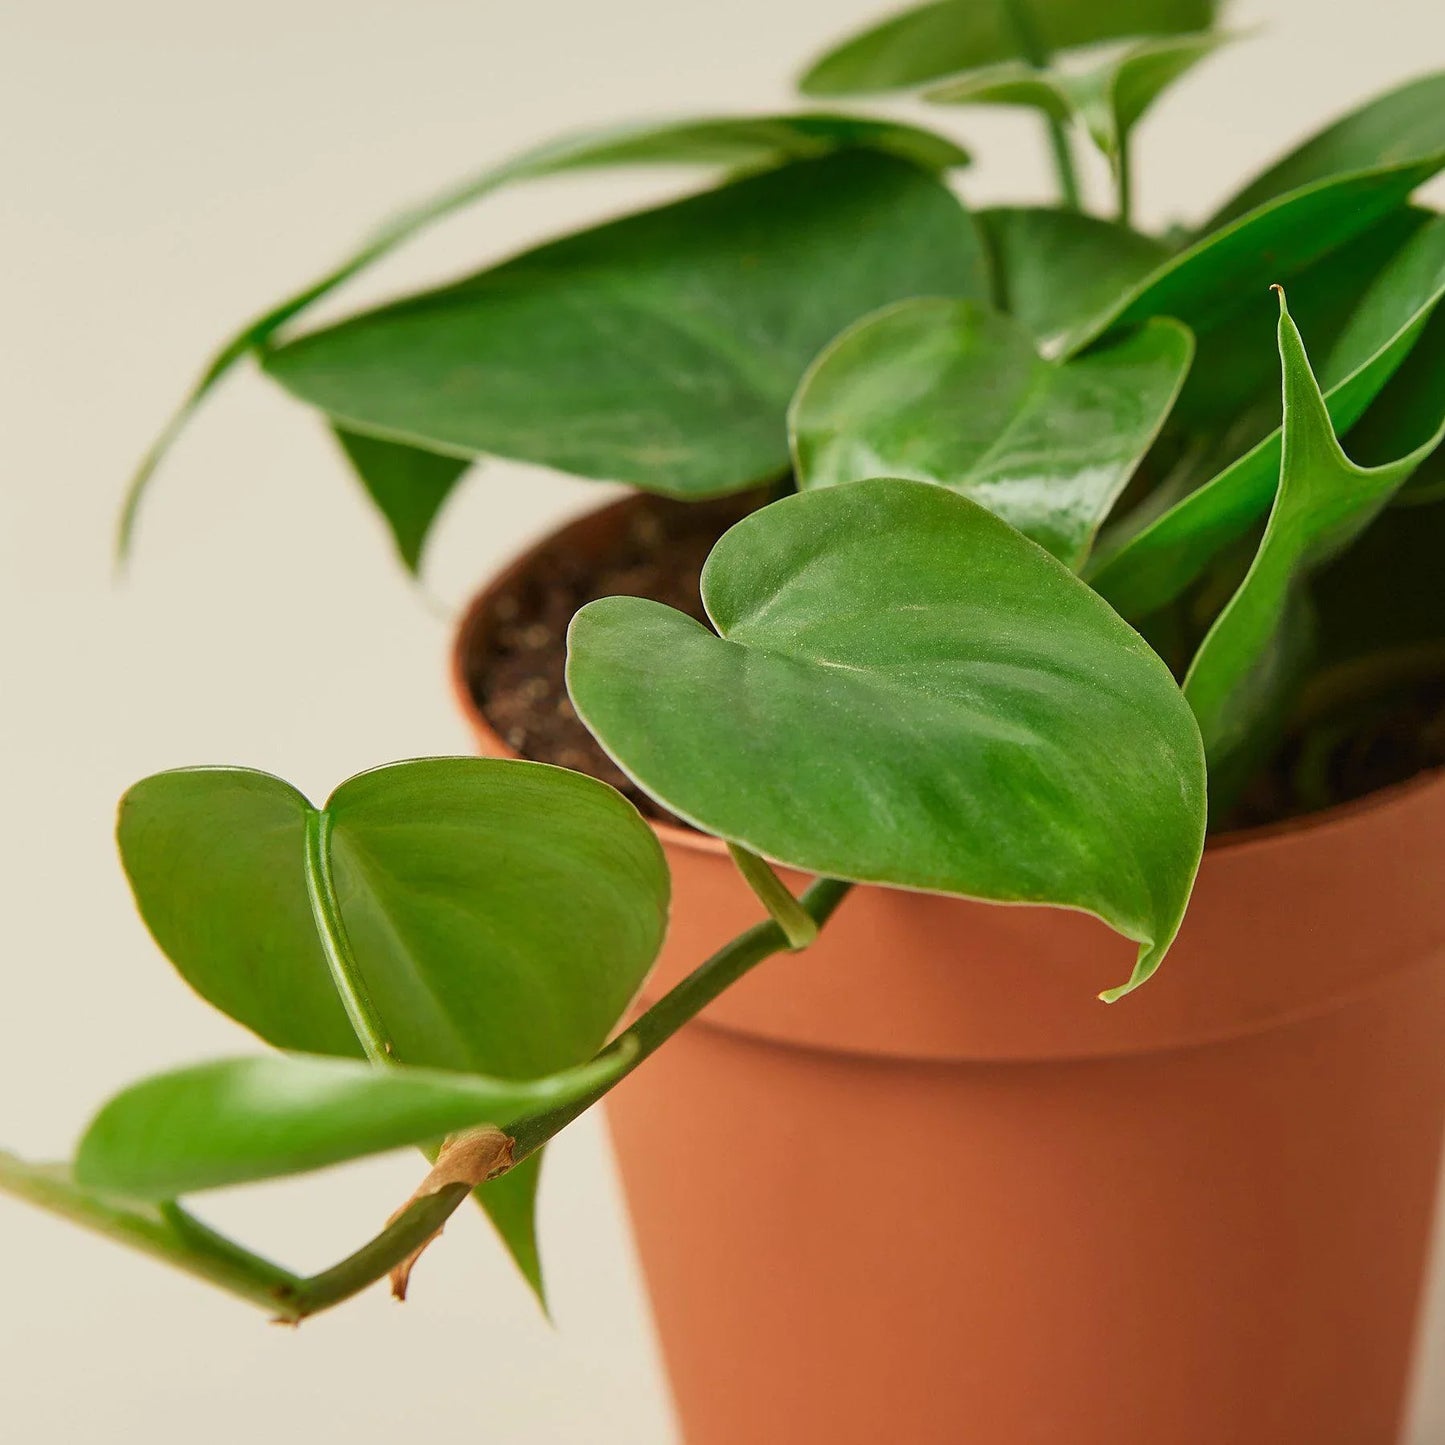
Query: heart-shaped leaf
x,y
951,392
1158,562
907,691
944,36
1404,124
235,1121
1270,245
1054,269
736,143
1324,501
502,915
661,349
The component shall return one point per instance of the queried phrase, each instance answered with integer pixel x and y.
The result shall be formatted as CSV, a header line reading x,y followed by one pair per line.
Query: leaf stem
x,y
336,943
677,1007
1031,44
169,1233
1124,182
773,894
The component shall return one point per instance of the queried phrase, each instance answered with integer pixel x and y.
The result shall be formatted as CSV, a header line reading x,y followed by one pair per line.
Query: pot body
x,y
918,1184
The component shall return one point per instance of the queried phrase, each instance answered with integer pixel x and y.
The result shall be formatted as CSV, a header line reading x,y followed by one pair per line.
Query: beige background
x,y
169,167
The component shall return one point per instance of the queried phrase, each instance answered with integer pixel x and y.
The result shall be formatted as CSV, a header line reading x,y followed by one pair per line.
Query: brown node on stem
x,y
471,1158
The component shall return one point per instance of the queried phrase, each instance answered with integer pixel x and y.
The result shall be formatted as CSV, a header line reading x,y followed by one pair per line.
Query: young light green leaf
x,y
1272,244
937,39
235,1121
448,874
953,393
907,691
1054,269
1404,124
726,142
661,349
1158,562
1324,501
1107,99
407,484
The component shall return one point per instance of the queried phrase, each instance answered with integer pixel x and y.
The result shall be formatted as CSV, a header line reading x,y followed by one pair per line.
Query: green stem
x,y
1064,171
677,1007
1031,45
411,1229
1124,181
785,910
336,944
169,1233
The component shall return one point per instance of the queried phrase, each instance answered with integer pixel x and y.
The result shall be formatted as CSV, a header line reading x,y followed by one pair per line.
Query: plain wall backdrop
x,y
168,169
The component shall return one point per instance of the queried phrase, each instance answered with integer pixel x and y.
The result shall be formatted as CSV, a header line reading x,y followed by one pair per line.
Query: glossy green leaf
x,y
1107,99
448,874
953,393
1055,269
1157,564
1406,414
407,484
727,142
1404,124
1324,501
1228,268
907,691
661,349
1231,400
933,40
235,1121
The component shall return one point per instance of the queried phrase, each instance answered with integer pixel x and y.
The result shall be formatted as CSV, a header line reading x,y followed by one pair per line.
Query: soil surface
x,y
516,673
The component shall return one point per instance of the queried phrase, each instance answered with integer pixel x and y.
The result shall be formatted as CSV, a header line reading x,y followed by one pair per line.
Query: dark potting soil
x,y
516,673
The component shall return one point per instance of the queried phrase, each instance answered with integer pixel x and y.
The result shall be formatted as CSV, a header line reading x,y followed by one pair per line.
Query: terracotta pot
x,y
917,1185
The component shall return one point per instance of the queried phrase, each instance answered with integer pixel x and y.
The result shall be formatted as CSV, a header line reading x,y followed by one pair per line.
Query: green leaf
x,y
950,392
449,874
937,39
1158,562
906,691
1055,269
729,142
1324,501
407,484
1404,124
236,1121
1231,400
1107,99
661,349
1226,269
1407,412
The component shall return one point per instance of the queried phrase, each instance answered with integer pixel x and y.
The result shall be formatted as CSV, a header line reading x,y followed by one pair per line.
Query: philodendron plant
x,y
1049,580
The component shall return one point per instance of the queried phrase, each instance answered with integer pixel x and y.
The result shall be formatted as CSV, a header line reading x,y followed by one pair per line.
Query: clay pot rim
x,y
1338,815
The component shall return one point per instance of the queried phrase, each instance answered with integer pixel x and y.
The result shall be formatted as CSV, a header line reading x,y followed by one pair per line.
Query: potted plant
x,y
1020,576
